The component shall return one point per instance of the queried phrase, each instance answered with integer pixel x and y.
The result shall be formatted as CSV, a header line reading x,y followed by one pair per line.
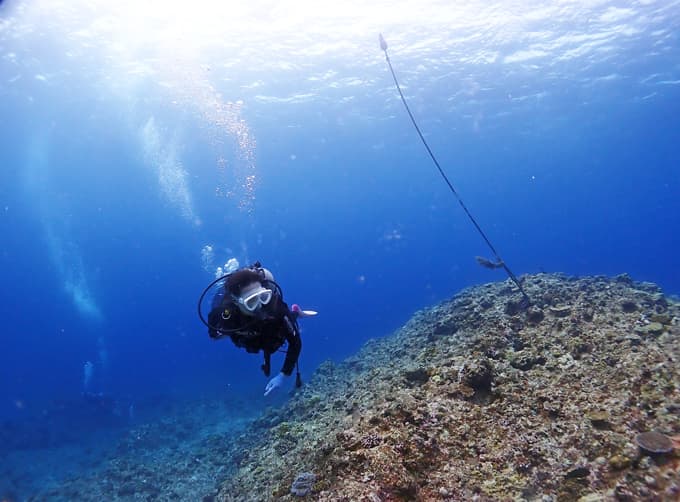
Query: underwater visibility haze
x,y
145,145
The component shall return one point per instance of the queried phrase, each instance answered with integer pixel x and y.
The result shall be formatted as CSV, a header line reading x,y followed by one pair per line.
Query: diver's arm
x,y
294,345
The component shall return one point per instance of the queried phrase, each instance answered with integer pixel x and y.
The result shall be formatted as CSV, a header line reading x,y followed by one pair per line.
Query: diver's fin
x,y
303,313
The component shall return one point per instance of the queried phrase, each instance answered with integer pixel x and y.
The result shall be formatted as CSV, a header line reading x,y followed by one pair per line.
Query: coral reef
x,y
181,452
480,399
575,398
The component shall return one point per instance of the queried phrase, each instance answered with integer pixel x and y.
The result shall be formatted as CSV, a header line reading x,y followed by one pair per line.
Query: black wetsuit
x,y
267,330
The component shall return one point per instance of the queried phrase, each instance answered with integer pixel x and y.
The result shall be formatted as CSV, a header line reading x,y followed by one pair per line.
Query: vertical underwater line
x,y
500,261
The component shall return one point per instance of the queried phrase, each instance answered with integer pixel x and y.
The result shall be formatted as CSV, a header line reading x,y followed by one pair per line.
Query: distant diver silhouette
x,y
499,263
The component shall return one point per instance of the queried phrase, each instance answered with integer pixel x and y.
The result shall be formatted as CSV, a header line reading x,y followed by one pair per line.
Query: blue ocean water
x,y
143,147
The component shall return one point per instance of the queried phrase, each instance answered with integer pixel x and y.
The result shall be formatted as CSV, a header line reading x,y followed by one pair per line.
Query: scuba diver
x,y
249,308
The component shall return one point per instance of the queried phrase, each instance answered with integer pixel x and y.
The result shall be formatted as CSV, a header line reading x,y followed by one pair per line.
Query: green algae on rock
x,y
565,394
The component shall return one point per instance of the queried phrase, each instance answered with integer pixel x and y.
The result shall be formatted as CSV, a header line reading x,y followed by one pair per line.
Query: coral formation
x,y
654,442
480,399
302,485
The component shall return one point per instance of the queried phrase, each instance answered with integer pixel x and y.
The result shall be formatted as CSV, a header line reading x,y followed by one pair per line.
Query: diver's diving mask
x,y
261,296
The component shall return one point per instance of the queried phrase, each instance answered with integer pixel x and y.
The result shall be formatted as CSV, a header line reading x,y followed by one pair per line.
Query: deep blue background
x,y
584,181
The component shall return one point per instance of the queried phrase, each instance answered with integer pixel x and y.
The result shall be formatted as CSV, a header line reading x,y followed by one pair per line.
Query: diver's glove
x,y
274,383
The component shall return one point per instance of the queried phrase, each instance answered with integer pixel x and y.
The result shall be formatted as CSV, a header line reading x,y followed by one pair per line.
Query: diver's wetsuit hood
x,y
267,283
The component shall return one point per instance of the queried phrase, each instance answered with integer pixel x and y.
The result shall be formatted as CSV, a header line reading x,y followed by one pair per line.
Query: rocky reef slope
x,y
479,399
